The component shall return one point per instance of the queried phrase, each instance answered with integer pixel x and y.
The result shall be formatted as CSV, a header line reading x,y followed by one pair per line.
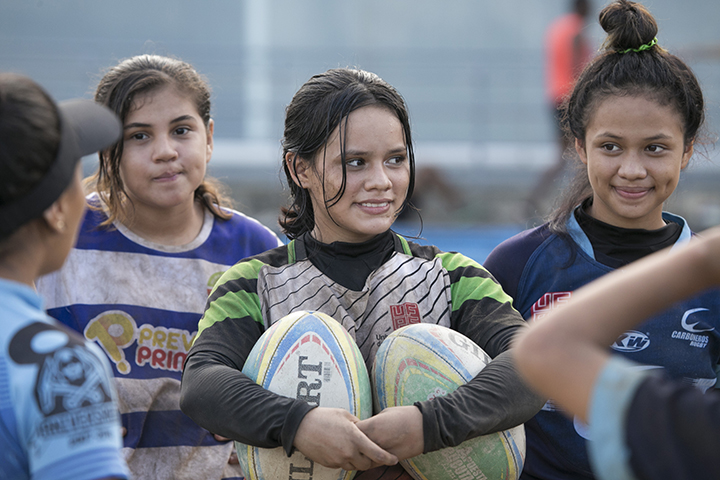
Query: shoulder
x,y
249,268
507,261
247,227
450,261
467,277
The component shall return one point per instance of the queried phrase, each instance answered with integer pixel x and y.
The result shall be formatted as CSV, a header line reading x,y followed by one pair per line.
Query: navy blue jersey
x,y
541,270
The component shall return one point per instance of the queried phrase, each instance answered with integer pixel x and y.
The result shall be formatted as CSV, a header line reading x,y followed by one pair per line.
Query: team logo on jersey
x,y
71,389
547,303
405,314
693,326
68,380
160,348
631,341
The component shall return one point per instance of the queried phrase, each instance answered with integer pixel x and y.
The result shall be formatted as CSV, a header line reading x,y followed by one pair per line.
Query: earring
x,y
60,226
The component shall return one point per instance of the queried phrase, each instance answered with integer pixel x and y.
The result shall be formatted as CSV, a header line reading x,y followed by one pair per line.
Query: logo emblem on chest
x,y
404,314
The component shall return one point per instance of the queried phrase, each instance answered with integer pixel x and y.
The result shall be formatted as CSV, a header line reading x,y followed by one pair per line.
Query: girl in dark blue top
x,y
634,115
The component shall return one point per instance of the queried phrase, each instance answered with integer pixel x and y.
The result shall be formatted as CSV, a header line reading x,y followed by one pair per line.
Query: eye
x,y
182,130
655,148
354,162
609,148
397,160
138,136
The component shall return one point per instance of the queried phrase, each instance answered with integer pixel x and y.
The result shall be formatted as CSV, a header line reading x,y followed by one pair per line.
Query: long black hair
x,y
319,107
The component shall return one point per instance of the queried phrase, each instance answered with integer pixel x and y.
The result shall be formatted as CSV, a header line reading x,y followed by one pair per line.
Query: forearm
x,y
225,401
495,400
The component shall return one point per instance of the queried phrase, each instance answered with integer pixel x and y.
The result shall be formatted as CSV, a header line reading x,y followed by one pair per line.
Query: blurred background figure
x,y
567,51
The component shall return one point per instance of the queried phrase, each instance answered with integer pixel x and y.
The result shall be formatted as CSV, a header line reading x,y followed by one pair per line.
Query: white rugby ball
x,y
423,361
311,356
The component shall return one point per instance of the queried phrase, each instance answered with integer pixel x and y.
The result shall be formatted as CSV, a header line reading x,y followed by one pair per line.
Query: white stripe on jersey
x,y
132,279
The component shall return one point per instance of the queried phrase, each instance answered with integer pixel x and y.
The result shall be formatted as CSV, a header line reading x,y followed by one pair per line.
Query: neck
x,y
177,226
22,264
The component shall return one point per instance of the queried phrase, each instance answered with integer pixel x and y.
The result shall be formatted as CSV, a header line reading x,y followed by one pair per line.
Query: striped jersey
x,y
141,302
417,284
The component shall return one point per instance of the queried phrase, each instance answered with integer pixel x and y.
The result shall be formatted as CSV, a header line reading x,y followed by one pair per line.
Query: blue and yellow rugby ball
x,y
305,355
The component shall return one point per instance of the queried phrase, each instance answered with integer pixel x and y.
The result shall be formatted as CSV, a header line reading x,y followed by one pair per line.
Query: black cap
x,y
85,128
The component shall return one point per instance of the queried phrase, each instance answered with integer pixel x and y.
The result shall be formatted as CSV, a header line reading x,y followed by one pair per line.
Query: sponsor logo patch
x,y
631,341
160,348
547,303
404,314
693,327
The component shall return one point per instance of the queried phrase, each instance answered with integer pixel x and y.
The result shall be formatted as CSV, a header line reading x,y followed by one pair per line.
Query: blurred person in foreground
x,y
58,415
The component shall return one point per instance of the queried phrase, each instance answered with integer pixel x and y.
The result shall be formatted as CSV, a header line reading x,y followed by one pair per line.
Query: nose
x,y
632,167
164,149
378,178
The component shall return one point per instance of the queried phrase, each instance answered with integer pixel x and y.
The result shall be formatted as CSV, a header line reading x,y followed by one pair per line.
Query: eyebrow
x,y
181,118
361,153
660,136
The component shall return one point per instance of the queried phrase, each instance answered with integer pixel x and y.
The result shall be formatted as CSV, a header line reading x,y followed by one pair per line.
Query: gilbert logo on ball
x,y
309,356
420,362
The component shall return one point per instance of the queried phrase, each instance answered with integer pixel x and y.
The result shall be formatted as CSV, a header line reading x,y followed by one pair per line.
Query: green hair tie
x,y
641,48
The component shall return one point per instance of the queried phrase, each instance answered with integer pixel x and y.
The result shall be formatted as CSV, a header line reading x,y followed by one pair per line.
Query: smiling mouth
x,y
374,205
632,192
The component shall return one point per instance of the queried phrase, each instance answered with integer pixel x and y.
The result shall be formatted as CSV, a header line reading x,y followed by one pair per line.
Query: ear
x,y
210,130
299,169
689,149
580,149
55,215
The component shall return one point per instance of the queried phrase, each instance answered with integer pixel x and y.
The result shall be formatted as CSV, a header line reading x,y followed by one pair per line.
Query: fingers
x,y
398,430
373,453
330,437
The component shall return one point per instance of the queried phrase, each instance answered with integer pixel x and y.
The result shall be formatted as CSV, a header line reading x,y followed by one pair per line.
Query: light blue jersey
x,y
58,416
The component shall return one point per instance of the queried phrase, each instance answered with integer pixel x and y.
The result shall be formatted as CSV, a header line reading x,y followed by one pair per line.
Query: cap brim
x,y
85,127
95,127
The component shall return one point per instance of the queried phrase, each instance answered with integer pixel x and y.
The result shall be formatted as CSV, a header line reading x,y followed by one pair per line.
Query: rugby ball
x,y
422,361
311,356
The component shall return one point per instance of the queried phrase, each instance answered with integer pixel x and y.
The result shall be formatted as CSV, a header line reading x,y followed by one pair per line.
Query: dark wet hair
x,y
619,70
117,90
320,106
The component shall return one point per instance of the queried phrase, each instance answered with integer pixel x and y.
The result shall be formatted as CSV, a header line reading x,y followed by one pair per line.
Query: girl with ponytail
x,y
634,116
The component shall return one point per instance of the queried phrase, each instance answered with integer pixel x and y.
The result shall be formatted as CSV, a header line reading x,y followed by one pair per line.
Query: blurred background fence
x,y
470,70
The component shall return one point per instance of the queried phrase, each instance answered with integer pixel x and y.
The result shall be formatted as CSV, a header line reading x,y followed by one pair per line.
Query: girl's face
x,y
166,148
634,150
378,175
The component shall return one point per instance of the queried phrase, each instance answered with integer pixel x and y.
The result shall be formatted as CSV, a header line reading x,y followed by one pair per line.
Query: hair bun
x,y
628,25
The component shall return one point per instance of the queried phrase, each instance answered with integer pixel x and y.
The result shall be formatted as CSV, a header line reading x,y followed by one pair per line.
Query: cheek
x,y
401,181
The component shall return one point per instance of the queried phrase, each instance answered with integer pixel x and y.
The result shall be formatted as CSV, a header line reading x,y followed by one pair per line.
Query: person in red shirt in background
x,y
567,52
